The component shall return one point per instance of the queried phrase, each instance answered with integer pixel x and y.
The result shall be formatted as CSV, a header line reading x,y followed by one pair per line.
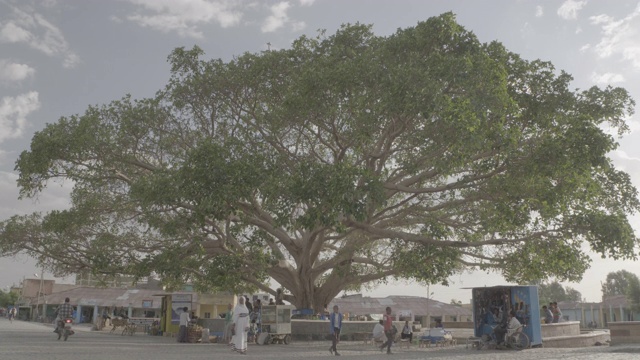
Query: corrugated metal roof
x,y
419,306
92,296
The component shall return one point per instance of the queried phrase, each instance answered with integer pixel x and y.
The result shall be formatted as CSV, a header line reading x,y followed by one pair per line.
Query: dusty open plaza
x,y
30,341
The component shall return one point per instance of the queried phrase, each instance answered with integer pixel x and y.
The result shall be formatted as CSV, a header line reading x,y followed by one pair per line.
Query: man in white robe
x,y
241,327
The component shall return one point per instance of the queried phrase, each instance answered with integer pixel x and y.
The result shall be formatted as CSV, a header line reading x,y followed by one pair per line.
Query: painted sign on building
x,y
178,303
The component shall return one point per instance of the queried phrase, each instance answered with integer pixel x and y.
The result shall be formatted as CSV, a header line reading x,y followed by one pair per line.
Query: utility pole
x,y
429,295
39,293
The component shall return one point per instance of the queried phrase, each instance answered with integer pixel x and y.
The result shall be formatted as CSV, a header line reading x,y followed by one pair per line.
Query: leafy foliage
x,y
617,283
554,291
8,298
342,162
633,293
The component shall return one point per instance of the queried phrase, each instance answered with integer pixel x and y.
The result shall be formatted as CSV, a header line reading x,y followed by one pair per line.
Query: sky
x,y
57,57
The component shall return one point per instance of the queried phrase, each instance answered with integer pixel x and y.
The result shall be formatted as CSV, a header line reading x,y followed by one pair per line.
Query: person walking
x,y
387,320
12,314
240,327
335,325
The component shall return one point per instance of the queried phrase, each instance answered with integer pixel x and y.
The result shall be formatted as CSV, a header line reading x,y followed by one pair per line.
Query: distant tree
x,y
633,293
554,291
548,292
456,302
572,294
617,283
347,160
7,298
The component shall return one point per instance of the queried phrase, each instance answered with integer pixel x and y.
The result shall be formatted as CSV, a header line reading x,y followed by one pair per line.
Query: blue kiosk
x,y
492,304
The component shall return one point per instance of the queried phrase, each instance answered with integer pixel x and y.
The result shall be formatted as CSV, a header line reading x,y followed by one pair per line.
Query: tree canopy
x,y
344,161
625,283
554,291
617,283
8,298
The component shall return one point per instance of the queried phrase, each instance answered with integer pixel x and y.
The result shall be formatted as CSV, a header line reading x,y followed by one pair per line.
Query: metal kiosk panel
x,y
501,300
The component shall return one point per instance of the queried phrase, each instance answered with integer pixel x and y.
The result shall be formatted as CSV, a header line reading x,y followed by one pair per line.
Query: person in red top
x,y
387,320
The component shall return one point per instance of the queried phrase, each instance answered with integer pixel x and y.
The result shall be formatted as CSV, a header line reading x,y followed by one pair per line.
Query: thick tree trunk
x,y
316,298
304,295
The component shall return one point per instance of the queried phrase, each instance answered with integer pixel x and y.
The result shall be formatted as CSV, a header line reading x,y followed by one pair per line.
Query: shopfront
x,y
492,304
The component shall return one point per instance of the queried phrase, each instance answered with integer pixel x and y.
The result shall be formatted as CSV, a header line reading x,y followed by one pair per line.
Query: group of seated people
x,y
379,335
494,324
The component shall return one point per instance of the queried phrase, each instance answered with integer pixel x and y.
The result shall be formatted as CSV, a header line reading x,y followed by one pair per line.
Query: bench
x,y
424,343
474,342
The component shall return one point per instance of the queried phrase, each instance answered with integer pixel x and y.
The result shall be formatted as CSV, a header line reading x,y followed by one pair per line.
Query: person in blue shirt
x,y
335,325
492,318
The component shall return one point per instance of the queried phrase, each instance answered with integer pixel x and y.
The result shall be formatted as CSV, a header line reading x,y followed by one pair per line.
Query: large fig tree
x,y
344,161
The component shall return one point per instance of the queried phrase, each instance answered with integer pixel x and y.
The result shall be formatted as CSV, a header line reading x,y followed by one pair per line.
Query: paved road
x,y
28,341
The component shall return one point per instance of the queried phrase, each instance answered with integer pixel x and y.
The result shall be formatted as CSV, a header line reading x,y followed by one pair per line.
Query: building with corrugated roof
x,y
412,308
612,308
91,302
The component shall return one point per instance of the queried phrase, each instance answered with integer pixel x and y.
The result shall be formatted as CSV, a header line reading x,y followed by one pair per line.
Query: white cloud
x,y
527,30
184,16
607,78
298,26
54,197
584,48
578,30
33,29
620,37
188,17
13,72
623,155
600,19
278,17
11,32
539,11
13,114
569,9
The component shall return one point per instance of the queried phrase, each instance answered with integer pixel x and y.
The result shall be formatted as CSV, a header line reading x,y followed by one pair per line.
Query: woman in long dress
x,y
241,327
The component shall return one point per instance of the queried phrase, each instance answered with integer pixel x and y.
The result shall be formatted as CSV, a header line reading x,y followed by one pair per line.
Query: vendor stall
x,y
492,304
276,324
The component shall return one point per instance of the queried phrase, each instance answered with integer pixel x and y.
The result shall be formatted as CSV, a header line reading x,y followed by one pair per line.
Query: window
x,y
207,315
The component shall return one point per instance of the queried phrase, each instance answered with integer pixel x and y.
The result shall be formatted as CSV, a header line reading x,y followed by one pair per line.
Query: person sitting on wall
x,y
406,333
325,312
557,314
378,332
279,297
548,315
